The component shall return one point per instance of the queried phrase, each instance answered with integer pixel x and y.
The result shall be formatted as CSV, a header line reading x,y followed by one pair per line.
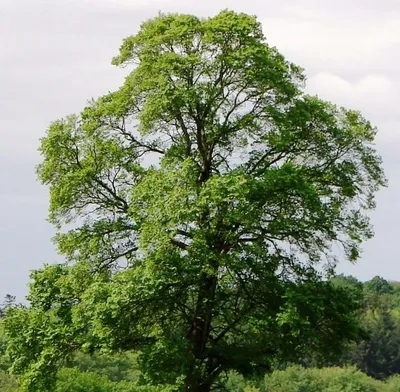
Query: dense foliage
x,y
204,193
377,354
297,379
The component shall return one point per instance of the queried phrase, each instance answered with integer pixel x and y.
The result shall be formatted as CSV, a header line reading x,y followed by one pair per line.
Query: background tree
x,y
379,354
206,191
378,285
349,283
8,302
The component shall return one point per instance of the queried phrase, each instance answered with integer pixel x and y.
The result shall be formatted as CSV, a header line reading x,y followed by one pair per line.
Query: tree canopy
x,y
204,195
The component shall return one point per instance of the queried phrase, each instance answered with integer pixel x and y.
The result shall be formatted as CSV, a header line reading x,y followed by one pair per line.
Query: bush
x,y
132,387
393,384
7,382
115,367
72,380
298,379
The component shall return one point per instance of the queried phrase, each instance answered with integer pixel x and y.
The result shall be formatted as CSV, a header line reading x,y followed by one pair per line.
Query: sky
x,y
56,54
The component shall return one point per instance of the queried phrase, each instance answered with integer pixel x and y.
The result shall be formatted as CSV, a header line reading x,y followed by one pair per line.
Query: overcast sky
x,y
55,54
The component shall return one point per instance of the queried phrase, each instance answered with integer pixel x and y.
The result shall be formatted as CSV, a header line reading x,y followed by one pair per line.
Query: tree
x,y
378,285
378,293
348,282
72,380
9,302
379,355
205,194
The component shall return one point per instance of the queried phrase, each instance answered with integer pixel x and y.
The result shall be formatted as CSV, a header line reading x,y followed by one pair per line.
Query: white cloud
x,y
346,44
375,95
350,53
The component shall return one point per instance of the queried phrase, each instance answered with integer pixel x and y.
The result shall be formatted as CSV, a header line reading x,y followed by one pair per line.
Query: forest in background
x,y
371,364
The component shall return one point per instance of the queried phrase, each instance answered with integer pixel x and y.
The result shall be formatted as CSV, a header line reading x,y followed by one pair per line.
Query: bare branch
x,y
179,244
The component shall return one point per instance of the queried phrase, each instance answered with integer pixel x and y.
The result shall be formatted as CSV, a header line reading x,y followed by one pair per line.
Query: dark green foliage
x,y
378,285
379,353
350,283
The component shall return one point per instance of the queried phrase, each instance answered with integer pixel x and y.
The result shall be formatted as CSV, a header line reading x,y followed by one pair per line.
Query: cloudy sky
x,y
55,54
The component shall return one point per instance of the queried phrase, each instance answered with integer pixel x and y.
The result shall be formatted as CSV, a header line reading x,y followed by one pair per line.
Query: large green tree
x,y
204,195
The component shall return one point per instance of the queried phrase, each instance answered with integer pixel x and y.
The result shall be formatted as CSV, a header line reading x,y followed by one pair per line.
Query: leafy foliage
x,y
378,353
116,367
298,379
72,380
8,303
205,191
324,380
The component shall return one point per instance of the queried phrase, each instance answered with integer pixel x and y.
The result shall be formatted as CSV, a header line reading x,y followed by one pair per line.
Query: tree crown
x,y
205,190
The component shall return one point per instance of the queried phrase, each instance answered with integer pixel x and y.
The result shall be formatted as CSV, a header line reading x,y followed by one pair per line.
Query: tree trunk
x,y
198,378
200,329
